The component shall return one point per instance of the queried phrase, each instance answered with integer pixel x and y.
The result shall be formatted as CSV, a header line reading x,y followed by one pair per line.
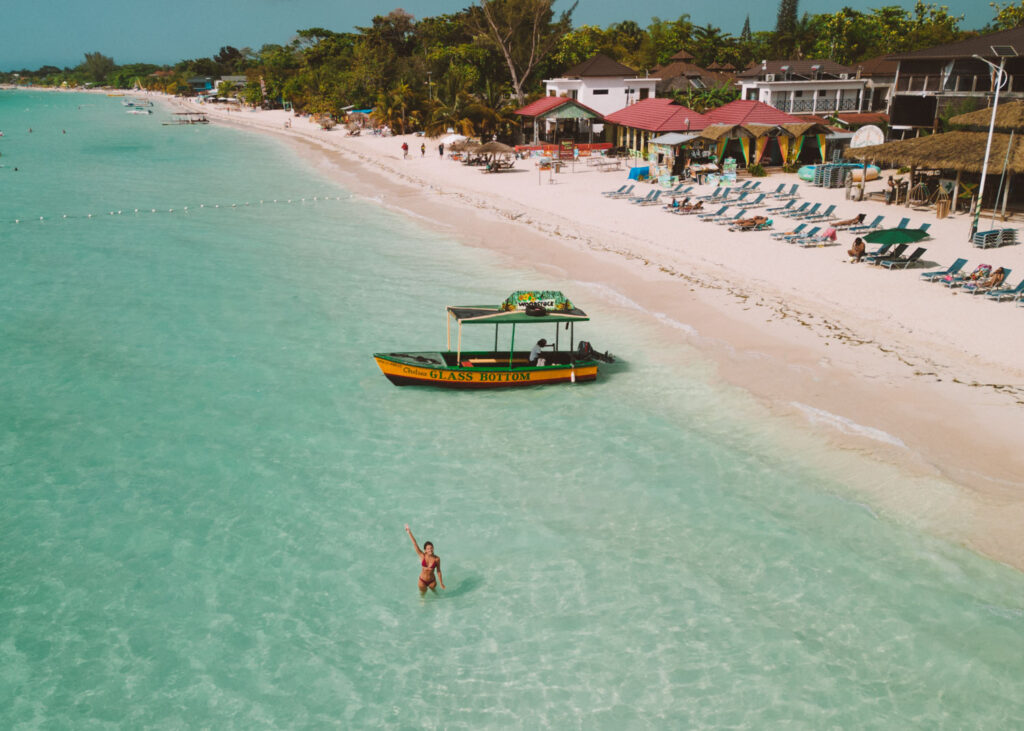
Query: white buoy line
x,y
183,209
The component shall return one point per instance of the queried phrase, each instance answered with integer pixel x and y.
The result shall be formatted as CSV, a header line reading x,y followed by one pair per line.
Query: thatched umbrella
x,y
1009,115
495,148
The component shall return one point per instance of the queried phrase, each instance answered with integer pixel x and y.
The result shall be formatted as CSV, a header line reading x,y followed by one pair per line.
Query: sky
x,y
60,32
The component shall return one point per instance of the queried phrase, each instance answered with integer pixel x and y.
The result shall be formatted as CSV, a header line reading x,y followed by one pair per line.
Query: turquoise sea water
x,y
204,477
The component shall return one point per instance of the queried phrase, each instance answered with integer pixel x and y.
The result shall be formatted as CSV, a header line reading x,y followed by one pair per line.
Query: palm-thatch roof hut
x,y
1009,116
960,152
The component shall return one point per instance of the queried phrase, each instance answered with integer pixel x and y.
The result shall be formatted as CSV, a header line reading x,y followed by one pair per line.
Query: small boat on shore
x,y
138,110
497,368
188,118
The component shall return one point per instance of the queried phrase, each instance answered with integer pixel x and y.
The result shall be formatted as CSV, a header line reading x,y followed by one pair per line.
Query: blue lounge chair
x,y
650,200
640,198
755,202
627,193
867,226
798,231
924,227
809,233
712,214
948,271
623,190
885,252
782,209
903,223
726,220
976,288
813,210
780,189
795,212
1011,292
904,263
714,195
791,193
823,216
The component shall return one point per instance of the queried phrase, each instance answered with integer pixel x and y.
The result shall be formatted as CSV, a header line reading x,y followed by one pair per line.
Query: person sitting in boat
x,y
857,251
536,352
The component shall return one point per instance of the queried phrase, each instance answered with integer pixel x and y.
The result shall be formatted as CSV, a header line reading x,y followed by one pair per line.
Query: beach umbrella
x,y
896,236
495,148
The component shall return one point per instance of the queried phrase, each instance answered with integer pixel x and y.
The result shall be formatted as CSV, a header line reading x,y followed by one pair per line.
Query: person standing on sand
x,y
440,150
405,150
429,563
423,149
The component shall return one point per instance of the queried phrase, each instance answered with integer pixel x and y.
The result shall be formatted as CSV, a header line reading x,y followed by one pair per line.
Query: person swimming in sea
x,y
429,563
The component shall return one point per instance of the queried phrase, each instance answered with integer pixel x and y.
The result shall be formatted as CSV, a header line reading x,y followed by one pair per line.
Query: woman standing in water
x,y
429,563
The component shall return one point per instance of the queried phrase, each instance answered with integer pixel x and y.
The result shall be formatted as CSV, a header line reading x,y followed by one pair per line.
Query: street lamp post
x,y
1003,52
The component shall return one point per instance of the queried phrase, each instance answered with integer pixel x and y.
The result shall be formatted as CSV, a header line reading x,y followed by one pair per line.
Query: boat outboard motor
x,y
585,351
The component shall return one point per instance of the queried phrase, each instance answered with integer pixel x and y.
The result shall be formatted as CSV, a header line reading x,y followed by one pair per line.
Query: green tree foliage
x,y
849,35
1007,16
700,100
785,23
524,32
97,66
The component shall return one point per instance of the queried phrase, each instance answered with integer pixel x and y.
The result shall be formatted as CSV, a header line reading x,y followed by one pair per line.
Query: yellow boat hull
x,y
406,374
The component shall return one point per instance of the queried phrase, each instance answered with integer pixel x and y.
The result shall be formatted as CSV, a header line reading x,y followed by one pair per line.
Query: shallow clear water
x,y
204,477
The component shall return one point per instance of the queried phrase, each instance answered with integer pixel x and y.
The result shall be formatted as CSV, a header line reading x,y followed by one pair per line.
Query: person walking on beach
x,y
429,563
405,150
440,150
423,149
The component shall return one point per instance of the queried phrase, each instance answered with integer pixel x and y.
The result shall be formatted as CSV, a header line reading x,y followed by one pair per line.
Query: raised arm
x,y
414,543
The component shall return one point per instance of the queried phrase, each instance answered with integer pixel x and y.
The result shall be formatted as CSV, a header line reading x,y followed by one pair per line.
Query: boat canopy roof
x,y
514,309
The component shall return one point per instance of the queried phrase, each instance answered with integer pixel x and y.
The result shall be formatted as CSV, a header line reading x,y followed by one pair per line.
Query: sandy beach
x,y
878,361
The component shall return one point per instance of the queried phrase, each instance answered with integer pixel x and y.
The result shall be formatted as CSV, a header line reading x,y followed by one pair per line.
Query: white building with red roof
x,y
602,84
805,86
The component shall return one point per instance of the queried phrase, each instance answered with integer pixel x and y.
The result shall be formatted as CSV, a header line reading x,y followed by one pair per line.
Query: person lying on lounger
x,y
698,206
752,222
676,204
995,280
855,221
857,251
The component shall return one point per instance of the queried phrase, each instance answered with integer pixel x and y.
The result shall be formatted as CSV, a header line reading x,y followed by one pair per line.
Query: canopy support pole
x,y
495,338
512,346
448,330
572,337
458,355
956,191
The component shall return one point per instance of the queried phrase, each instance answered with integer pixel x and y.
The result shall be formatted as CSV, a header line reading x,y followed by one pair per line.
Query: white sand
x,y
940,371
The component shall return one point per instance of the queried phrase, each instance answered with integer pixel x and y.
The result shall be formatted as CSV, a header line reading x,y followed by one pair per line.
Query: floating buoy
x,y
202,205
17,221
64,216
217,206
89,216
136,210
40,218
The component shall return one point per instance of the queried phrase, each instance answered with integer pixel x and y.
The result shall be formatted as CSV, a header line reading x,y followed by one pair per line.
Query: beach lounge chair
x,y
641,198
744,185
725,220
782,209
924,227
879,256
622,189
1011,292
904,263
823,216
791,193
813,210
802,208
882,250
650,200
980,273
864,228
809,233
798,231
715,195
780,189
693,209
627,193
713,214
952,269
766,225
976,287
754,186
756,202
903,223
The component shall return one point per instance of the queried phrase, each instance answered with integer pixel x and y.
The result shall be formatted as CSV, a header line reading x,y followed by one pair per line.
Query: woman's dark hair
x,y
427,543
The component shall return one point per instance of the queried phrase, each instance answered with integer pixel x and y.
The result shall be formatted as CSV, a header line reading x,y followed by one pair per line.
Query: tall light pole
x,y
1003,52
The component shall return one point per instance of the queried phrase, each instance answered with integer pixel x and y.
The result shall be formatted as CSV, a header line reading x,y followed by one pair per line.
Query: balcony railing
x,y
813,106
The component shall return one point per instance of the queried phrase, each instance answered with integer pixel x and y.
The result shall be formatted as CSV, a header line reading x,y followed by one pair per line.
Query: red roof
x,y
658,115
863,117
748,111
549,103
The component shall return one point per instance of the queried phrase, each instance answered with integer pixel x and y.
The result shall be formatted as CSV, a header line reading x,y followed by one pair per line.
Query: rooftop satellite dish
x,y
867,136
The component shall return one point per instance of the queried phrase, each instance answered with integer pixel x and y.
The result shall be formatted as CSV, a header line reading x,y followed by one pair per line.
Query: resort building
x,y
933,81
602,84
681,74
804,86
554,118
637,126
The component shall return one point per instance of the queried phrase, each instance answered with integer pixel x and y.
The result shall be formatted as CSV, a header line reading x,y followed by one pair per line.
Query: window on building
x,y
644,93
599,92
798,93
552,92
573,94
751,95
